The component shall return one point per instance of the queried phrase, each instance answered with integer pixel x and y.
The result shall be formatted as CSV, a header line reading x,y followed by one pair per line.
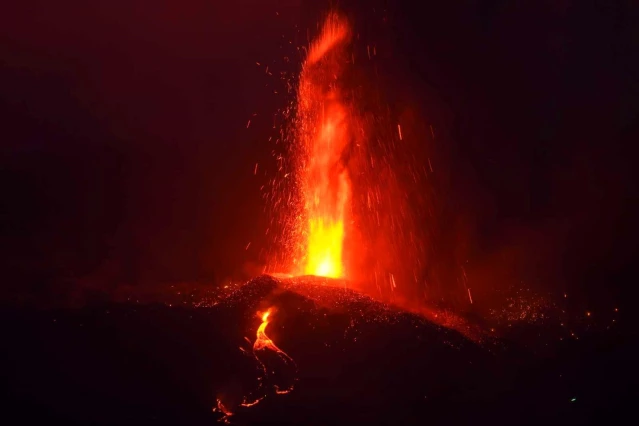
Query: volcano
x,y
178,357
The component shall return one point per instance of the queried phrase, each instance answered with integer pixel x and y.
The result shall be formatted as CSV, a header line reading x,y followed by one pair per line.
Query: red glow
x,y
323,131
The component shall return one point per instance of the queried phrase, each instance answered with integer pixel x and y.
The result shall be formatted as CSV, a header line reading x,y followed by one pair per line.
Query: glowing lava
x,y
272,369
323,131
264,343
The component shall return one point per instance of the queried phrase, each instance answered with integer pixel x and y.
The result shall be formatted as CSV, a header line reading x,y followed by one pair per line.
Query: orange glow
x,y
324,132
324,252
263,341
221,408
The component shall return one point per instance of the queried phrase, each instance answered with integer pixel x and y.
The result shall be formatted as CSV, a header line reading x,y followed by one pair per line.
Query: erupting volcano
x,y
323,131
322,135
424,220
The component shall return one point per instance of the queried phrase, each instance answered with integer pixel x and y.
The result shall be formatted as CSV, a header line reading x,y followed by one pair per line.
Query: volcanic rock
x,y
356,361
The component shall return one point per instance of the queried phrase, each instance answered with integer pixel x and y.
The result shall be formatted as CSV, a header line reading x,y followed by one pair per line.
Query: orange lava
x,y
324,133
263,341
221,408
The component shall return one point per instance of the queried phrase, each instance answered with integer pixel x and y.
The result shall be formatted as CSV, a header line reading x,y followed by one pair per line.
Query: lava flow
x,y
323,133
264,345
263,342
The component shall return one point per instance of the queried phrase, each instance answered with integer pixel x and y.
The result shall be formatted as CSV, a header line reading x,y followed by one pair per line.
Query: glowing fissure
x,y
323,131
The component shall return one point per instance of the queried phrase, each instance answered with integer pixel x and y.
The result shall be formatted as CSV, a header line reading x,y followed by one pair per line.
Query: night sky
x,y
126,157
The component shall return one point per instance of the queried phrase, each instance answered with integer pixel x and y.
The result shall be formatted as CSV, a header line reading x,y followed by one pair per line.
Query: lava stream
x,y
262,346
263,341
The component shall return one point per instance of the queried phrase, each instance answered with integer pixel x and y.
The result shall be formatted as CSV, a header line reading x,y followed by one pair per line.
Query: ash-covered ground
x,y
167,357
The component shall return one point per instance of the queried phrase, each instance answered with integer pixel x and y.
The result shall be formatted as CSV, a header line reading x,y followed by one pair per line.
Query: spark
x,y
399,130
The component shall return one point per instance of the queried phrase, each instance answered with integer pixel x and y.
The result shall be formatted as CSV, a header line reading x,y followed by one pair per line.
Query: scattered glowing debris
x,y
221,408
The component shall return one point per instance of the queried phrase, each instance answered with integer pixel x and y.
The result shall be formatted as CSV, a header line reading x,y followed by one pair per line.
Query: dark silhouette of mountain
x,y
358,361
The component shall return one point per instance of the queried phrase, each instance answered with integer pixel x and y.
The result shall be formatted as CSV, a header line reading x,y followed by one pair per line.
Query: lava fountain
x,y
323,133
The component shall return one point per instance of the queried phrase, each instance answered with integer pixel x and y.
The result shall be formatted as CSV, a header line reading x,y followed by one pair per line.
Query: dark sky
x,y
544,103
540,100
125,152
126,133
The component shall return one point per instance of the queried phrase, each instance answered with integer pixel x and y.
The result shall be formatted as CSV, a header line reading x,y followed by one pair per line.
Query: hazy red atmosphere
x,y
413,211
171,182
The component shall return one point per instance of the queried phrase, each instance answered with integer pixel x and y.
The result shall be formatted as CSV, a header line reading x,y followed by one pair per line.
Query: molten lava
x,y
263,341
324,133
262,344
271,370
